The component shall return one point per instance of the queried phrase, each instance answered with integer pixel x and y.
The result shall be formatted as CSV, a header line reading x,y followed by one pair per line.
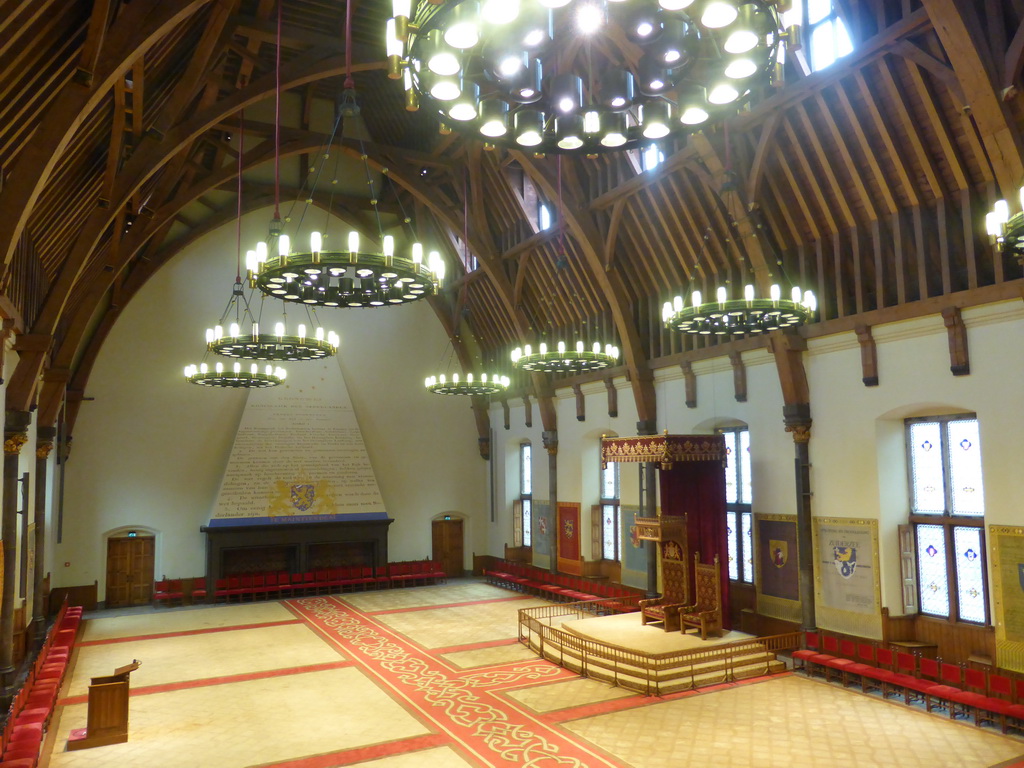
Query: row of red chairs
x,y
560,586
955,688
278,584
30,712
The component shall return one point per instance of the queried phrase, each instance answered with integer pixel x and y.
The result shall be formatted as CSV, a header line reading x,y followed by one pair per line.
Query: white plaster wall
x,y
857,447
150,450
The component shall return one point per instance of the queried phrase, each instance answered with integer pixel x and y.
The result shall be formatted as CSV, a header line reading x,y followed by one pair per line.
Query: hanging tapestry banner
x,y
1007,556
568,531
847,554
778,569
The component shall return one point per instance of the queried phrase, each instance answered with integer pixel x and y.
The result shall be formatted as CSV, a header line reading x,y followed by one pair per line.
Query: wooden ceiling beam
x,y
867,152
586,236
99,17
136,30
965,44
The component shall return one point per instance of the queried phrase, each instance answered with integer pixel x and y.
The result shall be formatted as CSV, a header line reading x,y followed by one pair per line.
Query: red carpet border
x,y
461,704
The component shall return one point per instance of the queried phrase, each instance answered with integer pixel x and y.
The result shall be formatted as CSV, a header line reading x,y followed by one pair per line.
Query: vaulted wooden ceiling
x,y
867,181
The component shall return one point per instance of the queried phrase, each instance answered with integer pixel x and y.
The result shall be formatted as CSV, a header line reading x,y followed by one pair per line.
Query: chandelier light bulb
x,y
302,331
254,369
442,379
795,294
417,253
500,12
353,242
718,14
279,330
579,347
233,329
1021,194
666,311
543,348
527,350
1002,209
464,31
250,261
401,8
389,246
237,367
210,338
740,69
992,225
677,303
269,370
455,378
740,41
218,368
597,347
204,368
693,116
284,245
218,332
469,378
589,18
722,295
775,293
695,298
316,242
255,330
723,93
561,347
320,333
675,5
748,293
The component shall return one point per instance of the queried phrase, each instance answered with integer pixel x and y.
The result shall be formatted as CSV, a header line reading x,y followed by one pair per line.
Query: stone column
x,y
798,422
649,508
44,444
15,436
550,438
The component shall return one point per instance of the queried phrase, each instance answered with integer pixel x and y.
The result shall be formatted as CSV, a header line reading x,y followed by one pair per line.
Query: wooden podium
x,y
107,721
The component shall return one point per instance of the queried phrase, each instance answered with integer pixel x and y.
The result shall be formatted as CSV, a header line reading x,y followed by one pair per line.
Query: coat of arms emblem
x,y
845,559
303,496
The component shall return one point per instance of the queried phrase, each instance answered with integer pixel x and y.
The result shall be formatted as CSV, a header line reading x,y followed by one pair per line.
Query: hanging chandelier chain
x,y
277,118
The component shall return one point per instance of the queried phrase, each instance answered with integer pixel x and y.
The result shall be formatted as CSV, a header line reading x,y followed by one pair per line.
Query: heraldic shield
x,y
845,559
779,551
303,496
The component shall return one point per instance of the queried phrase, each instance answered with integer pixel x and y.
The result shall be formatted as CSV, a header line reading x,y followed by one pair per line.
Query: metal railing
x,y
637,670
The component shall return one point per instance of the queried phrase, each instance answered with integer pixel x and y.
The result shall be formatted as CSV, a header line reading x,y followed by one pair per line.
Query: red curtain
x,y
697,489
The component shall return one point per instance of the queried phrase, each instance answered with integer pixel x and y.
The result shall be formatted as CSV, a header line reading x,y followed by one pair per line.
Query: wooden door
x,y
447,545
130,571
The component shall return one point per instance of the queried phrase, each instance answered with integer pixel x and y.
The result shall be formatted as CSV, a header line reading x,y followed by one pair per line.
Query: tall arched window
x,y
610,526
738,498
522,533
947,514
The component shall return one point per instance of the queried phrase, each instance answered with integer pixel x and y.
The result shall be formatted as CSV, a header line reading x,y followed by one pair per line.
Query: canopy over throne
x,y
692,488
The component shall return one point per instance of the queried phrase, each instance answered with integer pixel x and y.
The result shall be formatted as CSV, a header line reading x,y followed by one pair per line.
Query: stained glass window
x,y
734,557
526,491
731,486
746,522
970,573
610,481
744,453
948,509
965,468
931,570
609,531
926,468
738,494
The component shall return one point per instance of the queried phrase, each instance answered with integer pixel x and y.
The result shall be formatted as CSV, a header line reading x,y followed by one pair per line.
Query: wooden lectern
x,y
107,721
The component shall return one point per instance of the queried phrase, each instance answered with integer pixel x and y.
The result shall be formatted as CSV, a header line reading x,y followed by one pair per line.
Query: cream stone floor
x,y
255,685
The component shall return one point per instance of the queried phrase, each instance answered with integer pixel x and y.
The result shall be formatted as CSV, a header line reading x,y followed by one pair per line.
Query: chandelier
x,y
563,360
739,317
581,75
351,278
276,346
1007,231
441,385
234,377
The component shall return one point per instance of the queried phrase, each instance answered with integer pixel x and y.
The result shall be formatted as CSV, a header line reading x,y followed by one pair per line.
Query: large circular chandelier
x,y
1007,230
350,278
564,360
275,346
581,75
482,385
739,317
234,377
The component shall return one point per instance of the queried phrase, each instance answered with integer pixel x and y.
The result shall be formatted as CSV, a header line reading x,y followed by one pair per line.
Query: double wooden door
x,y
447,545
130,571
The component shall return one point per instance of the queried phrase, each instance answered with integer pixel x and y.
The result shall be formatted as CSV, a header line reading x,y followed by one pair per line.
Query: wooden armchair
x,y
706,613
675,590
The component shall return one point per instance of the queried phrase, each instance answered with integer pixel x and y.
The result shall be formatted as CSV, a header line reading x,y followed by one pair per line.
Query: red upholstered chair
x,y
841,664
829,649
221,590
811,648
198,591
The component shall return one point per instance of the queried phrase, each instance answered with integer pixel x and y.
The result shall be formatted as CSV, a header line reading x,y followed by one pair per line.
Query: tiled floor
x,y
432,676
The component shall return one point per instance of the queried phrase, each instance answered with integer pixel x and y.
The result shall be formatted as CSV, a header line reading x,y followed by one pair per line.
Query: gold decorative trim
x,y
13,444
801,433
1009,653
663,449
780,608
43,449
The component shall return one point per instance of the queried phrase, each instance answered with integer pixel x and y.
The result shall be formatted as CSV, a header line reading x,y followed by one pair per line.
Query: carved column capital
x,y
550,438
43,449
797,418
14,442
